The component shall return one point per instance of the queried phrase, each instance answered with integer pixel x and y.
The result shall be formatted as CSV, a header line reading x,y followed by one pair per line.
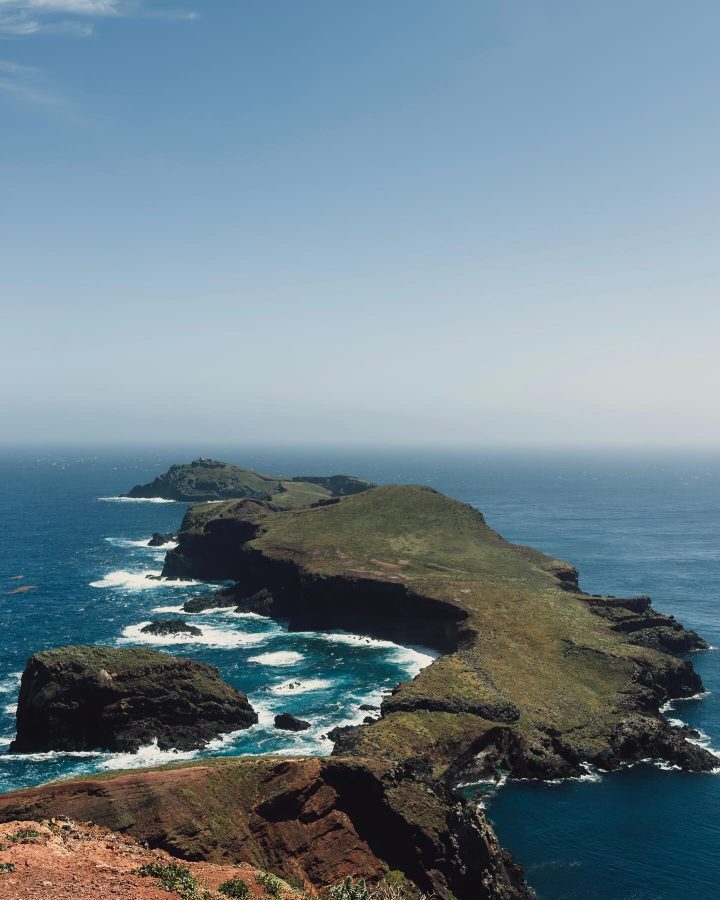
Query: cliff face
x,y
313,820
88,698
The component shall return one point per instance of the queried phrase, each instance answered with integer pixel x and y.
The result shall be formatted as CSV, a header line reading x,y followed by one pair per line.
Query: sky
x,y
396,222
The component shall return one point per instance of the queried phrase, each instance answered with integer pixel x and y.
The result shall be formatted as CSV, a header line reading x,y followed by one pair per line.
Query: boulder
x,y
160,538
167,627
120,699
288,722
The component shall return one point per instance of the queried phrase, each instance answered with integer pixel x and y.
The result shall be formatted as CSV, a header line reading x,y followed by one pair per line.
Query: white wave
x,y
136,500
210,637
415,659
670,704
300,687
53,754
279,658
10,683
663,765
139,580
168,609
10,709
149,755
352,640
704,740
141,544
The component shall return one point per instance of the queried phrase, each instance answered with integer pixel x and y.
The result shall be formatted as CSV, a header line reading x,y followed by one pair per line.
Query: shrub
x,y
6,867
272,884
348,890
235,887
173,878
25,834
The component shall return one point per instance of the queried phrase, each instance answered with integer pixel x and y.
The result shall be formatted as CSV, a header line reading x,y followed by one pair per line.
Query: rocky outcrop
x,y
303,819
169,627
288,722
159,539
644,626
88,698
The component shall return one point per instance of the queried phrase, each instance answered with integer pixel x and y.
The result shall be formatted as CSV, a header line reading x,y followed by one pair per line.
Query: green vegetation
x,y
25,834
235,888
272,884
532,654
6,868
118,659
394,886
173,877
348,890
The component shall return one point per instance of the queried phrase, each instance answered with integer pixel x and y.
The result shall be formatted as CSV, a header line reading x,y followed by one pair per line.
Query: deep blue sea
x,y
631,524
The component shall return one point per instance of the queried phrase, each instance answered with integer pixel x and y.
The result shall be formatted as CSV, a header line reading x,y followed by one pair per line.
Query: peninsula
x,y
534,678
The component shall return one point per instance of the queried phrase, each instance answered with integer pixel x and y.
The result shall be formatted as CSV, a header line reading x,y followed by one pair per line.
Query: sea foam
x,y
210,637
300,687
137,500
142,544
279,658
138,581
10,683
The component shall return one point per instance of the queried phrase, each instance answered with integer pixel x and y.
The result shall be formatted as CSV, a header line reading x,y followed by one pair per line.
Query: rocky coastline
x,y
534,679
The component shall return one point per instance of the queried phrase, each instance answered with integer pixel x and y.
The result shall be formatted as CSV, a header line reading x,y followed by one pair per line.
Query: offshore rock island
x,y
534,679
207,479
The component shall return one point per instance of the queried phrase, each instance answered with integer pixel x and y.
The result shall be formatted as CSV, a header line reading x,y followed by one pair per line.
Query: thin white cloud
x,y
27,84
23,18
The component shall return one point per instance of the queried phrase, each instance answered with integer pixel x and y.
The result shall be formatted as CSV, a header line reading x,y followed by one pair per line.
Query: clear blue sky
x,y
392,221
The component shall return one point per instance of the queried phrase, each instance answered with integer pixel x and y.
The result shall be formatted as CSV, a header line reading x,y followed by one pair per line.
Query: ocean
x,y
73,560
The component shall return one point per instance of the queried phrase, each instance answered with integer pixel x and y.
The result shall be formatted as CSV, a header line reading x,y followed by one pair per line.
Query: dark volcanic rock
x,y
212,601
634,616
87,698
261,602
169,627
647,737
288,722
160,538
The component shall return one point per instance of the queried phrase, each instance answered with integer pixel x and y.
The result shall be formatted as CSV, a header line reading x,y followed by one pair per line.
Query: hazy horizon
x,y
411,224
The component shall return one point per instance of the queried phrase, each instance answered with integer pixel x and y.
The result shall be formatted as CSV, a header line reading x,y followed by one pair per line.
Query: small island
x,y
207,479
101,698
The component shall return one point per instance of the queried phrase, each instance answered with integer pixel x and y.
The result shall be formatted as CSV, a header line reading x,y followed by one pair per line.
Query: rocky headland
x,y
208,479
534,678
99,698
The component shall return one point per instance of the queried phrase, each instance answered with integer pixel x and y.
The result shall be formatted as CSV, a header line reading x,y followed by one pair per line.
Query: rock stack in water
x,y
101,698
